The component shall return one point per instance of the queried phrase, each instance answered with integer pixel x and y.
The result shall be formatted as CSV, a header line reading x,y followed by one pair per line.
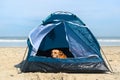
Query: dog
x,y
55,53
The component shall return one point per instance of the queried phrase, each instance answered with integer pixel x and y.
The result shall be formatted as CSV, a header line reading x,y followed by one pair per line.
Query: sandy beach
x,y
10,57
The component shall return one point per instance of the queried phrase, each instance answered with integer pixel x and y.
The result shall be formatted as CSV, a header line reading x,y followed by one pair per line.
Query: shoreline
x,y
16,42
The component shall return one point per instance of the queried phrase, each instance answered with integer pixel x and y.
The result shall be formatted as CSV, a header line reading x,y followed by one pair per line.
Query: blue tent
x,y
65,31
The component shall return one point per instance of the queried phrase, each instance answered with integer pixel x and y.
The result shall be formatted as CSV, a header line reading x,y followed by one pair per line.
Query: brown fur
x,y
55,53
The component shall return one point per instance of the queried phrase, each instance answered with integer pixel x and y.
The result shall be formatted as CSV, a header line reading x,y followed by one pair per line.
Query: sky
x,y
19,17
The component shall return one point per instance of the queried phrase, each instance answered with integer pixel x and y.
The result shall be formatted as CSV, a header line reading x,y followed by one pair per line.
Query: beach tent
x,y
64,31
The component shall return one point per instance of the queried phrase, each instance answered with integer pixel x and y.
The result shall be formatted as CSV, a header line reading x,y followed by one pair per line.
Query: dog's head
x,y
55,53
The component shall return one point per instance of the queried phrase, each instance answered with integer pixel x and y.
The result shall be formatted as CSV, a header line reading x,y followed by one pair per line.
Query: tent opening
x,y
48,53
55,39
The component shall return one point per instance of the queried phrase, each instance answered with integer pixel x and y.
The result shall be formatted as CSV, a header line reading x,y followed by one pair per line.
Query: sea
x,y
22,41
13,41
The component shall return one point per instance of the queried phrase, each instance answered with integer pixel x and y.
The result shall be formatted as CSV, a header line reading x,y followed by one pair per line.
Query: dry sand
x,y
10,57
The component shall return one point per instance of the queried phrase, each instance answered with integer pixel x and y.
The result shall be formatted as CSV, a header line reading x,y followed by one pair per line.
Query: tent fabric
x,y
75,37
39,33
66,31
61,41
59,66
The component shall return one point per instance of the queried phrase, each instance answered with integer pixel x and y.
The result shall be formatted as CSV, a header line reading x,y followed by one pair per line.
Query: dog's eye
x,y
55,52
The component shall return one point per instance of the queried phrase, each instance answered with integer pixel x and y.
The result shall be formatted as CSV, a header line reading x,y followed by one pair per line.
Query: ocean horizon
x,y
22,41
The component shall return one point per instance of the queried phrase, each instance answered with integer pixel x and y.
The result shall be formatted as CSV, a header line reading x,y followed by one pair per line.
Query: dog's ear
x,y
61,53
